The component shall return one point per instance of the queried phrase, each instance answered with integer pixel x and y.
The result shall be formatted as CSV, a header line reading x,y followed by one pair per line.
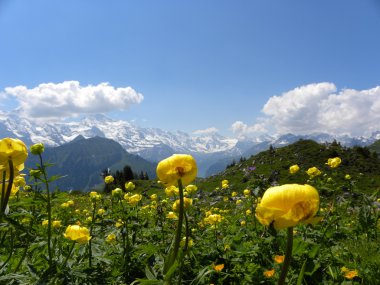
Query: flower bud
x,y
37,148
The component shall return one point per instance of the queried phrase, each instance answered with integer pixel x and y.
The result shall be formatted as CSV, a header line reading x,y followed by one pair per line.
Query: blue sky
x,y
237,67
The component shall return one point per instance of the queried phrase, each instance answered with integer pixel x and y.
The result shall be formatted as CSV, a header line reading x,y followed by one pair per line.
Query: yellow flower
x,y
279,259
56,224
19,181
334,162
171,191
172,215
213,219
119,223
238,202
175,167
77,233
218,267
129,186
153,197
313,172
37,148
187,202
288,205
70,203
101,212
233,194
45,223
111,238
12,149
347,177
65,205
269,273
243,223
351,274
225,184
294,169
191,188
246,192
190,242
108,179
134,199
117,192
93,194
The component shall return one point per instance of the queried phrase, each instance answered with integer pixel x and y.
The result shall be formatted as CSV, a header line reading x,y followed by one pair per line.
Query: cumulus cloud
x,y
320,107
70,99
241,129
208,131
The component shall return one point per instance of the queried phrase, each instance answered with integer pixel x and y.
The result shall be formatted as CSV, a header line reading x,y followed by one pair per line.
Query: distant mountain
x,y
82,160
212,151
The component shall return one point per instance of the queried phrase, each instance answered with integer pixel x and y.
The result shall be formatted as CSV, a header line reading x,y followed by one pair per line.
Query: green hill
x,y
272,167
82,161
375,147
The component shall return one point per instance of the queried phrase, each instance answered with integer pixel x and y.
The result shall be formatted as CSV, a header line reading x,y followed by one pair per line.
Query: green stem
x,y
3,192
43,170
177,239
184,249
9,188
70,251
90,241
10,253
288,256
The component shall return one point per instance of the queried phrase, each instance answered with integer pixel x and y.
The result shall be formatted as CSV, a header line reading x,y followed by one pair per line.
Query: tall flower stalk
x,y
285,207
177,170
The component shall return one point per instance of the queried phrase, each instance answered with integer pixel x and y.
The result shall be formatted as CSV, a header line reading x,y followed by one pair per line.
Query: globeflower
x,y
111,238
37,148
213,219
287,205
77,233
129,186
172,215
12,149
117,192
294,169
334,162
56,224
225,184
175,167
313,172
246,192
171,191
187,202
134,199
108,179
191,188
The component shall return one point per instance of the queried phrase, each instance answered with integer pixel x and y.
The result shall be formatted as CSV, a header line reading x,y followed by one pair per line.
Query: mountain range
x,y
213,152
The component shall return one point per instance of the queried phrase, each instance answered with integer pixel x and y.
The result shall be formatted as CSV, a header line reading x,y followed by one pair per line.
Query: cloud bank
x,y
70,99
320,107
208,131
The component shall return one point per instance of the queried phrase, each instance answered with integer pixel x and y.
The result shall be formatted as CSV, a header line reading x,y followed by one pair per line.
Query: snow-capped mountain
x,y
154,144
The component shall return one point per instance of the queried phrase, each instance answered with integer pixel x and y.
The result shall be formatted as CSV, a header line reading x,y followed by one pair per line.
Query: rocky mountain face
x,y
213,152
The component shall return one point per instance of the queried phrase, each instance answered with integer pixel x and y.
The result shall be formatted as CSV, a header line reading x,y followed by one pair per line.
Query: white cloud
x,y
69,99
318,107
241,129
208,131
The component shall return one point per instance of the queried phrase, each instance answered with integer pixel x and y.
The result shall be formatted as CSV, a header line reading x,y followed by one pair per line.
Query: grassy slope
x,y
272,167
